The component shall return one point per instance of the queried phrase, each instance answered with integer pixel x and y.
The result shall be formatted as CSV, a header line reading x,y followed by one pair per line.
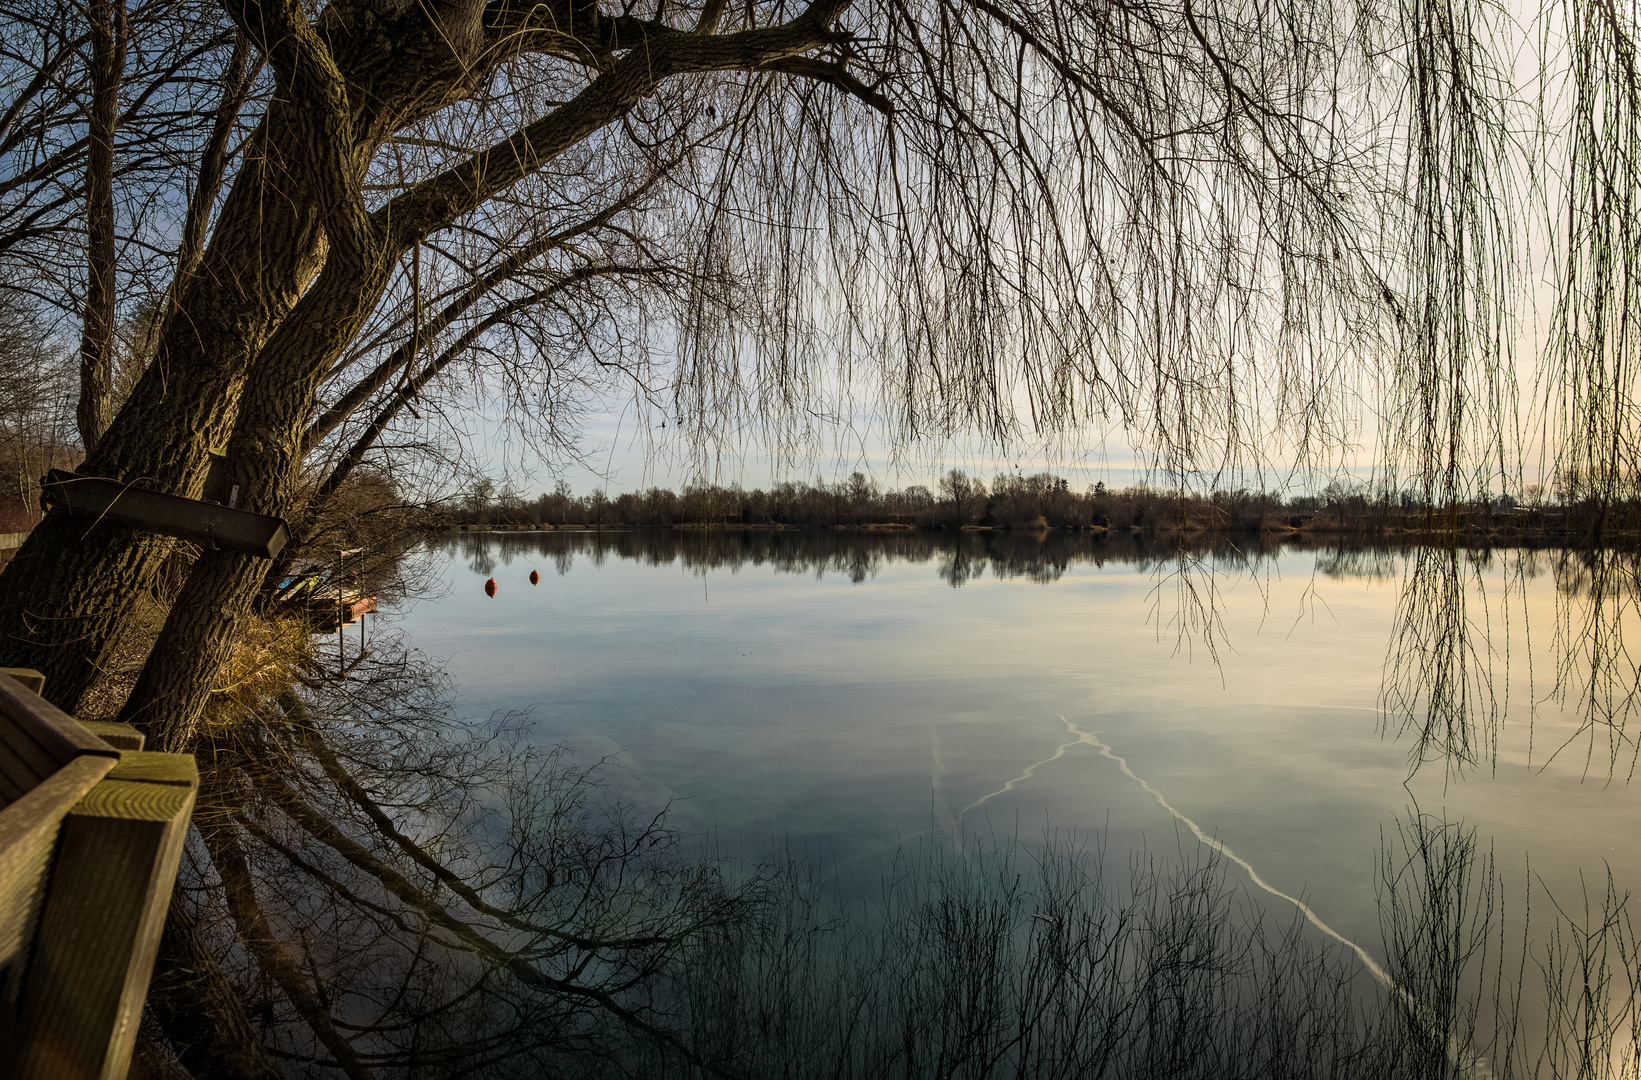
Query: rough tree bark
x,y
265,450
66,594
70,589
263,461
108,35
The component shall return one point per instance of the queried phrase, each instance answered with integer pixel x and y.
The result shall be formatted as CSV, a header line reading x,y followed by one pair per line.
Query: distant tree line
x,y
1038,501
37,395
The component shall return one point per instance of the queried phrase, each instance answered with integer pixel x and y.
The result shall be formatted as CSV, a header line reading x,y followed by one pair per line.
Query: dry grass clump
x,y
270,653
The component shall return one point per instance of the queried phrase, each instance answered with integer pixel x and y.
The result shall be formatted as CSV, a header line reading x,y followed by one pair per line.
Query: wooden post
x,y
100,924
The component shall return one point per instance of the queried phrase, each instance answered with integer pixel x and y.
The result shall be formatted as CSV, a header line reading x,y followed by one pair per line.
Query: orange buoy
x,y
535,578
490,587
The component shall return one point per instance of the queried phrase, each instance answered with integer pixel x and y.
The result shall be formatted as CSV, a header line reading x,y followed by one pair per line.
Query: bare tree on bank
x,y
108,35
167,73
1199,222
37,397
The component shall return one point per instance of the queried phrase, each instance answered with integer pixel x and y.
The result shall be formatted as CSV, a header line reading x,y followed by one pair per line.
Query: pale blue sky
x,y
619,458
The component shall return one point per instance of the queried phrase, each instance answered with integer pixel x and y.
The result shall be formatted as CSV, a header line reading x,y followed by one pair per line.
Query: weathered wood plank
x,y
11,787
57,733
31,679
155,768
205,523
36,738
47,764
119,736
90,838
23,761
100,926
28,831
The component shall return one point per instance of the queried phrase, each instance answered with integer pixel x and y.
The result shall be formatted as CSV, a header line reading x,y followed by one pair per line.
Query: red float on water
x,y
490,587
535,578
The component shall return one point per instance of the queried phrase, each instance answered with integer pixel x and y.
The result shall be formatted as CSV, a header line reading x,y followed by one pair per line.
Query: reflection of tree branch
x,y
1596,597
436,951
201,1012
1438,678
519,963
254,929
329,881
323,830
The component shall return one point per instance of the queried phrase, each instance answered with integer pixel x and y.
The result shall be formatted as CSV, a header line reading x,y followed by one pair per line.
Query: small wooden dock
x,y
91,833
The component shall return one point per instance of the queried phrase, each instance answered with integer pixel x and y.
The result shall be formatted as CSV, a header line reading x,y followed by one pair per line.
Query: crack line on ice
x,y
1059,752
1092,739
1477,1066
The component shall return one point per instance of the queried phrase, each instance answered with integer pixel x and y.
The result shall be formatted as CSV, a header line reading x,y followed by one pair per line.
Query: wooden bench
x,y
91,832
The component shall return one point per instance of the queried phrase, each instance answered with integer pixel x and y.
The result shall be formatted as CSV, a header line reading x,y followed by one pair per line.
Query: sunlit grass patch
x,y
269,654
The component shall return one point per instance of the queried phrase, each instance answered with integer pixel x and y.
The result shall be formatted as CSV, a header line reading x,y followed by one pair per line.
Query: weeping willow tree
x,y
1224,229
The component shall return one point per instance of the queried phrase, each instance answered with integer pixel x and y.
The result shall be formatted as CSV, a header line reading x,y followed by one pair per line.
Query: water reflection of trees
x,y
376,888
1599,594
1462,619
1459,622
959,556
1443,664
1370,563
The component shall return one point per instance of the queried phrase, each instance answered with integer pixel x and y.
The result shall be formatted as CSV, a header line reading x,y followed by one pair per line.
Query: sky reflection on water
x,y
836,695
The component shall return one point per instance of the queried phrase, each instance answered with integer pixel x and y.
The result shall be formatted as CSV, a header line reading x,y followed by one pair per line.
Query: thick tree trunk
x,y
264,456
48,599
65,597
299,177
197,640
107,19
267,245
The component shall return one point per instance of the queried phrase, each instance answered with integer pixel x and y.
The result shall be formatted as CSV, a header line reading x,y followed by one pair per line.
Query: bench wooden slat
x,y
119,736
100,926
57,733
31,679
28,833
23,761
48,763
90,838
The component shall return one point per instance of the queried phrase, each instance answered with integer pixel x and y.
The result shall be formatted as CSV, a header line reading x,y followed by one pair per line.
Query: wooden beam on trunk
x,y
205,523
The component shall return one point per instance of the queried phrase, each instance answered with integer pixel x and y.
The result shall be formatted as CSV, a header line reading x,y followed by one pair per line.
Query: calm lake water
x,y
837,694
